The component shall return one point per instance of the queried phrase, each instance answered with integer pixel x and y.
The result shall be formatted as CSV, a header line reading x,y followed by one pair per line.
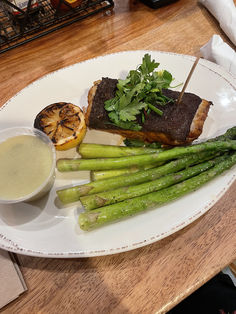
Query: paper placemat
x,y
12,281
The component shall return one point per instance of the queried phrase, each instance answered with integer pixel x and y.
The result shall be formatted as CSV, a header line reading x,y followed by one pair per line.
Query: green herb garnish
x,y
139,143
140,91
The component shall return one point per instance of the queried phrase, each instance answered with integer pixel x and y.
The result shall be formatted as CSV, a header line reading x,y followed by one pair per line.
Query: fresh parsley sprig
x,y
138,94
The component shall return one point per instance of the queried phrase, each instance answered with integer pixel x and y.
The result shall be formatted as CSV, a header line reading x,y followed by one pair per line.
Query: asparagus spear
x,y
87,150
141,160
73,194
110,197
230,134
103,215
105,174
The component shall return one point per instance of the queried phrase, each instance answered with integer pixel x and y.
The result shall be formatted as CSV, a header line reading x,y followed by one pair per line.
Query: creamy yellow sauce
x,y
25,163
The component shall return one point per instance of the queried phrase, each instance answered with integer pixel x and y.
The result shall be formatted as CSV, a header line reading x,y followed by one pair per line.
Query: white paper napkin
x,y
216,50
225,12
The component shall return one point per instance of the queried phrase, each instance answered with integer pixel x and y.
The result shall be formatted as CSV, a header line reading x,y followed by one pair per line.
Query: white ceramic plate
x,y
43,229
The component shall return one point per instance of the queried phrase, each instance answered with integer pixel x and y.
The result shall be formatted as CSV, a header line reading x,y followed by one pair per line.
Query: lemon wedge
x,y
63,123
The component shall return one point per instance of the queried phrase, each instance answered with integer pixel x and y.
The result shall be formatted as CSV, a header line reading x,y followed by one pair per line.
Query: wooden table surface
x,y
156,277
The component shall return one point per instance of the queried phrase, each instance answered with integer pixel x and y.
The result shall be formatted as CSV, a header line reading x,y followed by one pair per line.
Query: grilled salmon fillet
x,y
180,124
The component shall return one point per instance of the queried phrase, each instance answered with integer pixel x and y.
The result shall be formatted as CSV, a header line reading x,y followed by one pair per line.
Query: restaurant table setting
x,y
151,261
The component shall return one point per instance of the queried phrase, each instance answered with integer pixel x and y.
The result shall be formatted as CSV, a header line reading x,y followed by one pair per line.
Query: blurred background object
x,y
155,4
22,22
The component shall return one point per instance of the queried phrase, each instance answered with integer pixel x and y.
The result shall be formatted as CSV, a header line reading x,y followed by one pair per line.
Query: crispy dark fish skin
x,y
178,125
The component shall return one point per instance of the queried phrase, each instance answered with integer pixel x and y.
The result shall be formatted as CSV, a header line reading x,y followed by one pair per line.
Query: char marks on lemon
x,y
63,122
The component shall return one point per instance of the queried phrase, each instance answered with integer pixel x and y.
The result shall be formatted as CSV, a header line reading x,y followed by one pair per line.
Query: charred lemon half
x,y
64,124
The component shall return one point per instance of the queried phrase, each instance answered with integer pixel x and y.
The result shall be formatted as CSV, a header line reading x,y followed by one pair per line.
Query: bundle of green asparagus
x,y
127,180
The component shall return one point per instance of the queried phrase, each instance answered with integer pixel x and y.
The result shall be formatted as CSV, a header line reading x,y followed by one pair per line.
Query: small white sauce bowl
x,y
48,183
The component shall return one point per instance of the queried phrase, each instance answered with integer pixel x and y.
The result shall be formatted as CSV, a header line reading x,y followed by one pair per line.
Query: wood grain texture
x,y
154,278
